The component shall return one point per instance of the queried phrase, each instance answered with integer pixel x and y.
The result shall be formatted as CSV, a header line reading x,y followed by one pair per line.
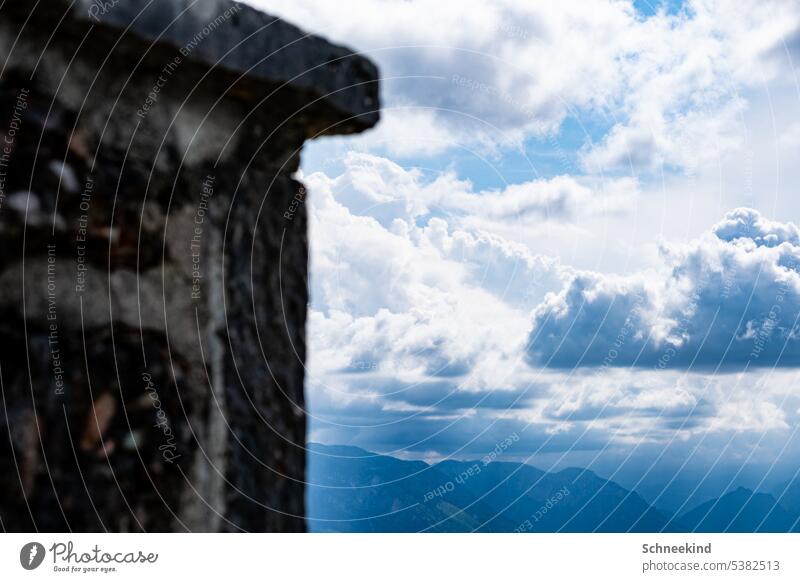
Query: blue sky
x,y
576,222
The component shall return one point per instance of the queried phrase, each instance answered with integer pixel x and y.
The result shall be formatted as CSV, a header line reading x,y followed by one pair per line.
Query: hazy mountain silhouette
x,y
740,511
788,496
354,490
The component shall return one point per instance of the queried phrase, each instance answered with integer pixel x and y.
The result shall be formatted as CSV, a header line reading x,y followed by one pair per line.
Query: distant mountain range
x,y
353,490
739,511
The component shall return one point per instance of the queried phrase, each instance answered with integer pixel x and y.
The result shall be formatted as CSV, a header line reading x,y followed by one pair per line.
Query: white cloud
x,y
730,298
406,131
423,283
378,187
670,87
419,322
790,138
745,223
409,293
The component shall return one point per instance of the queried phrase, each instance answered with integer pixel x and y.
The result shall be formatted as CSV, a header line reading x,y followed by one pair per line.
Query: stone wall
x,y
153,261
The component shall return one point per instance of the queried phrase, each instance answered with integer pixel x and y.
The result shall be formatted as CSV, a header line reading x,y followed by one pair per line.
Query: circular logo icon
x,y
31,555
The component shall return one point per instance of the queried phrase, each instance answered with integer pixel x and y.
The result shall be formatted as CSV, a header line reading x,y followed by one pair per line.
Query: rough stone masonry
x,y
153,260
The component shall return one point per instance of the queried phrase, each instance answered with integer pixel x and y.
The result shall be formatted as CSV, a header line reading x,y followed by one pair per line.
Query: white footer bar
x,y
416,557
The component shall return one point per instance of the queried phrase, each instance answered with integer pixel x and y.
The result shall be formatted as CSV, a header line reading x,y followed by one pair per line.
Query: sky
x,y
576,222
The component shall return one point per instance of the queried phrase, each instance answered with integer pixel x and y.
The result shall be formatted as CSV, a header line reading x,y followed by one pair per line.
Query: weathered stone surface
x,y
256,55
153,261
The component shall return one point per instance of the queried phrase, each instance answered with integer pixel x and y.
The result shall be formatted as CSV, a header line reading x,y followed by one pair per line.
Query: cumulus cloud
x,y
376,186
730,298
417,322
398,239
670,87
747,224
421,336
424,285
399,288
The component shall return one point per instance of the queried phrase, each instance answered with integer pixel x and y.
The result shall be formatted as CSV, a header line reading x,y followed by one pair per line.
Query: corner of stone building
x,y
153,260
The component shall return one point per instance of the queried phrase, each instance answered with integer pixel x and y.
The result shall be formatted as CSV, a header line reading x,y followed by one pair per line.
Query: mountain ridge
x,y
354,490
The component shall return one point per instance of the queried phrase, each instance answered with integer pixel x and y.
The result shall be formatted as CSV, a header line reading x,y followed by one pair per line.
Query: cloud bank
x,y
433,335
667,88
731,298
